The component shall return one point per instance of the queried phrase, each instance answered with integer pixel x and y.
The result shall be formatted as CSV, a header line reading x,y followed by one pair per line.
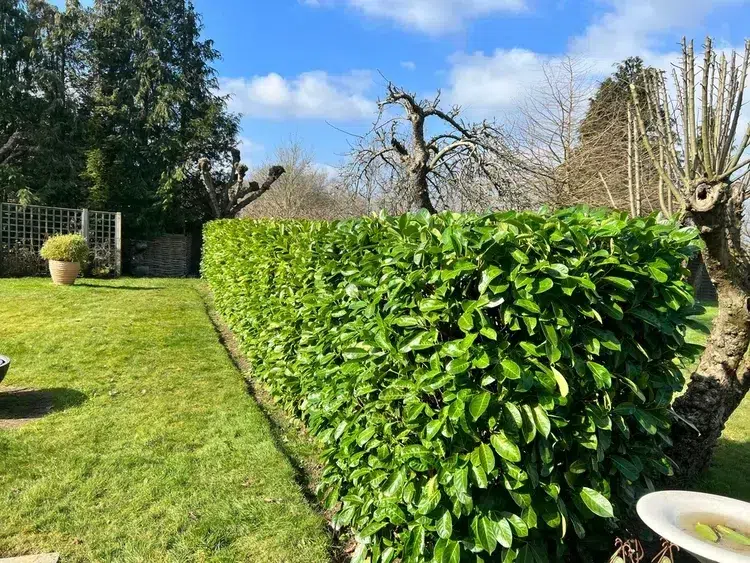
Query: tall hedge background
x,y
490,387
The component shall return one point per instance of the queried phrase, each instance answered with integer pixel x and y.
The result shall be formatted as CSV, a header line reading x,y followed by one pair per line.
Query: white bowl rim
x,y
654,509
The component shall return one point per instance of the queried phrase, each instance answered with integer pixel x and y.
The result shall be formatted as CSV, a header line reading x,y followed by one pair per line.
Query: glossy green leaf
x,y
596,503
562,383
483,457
452,552
622,283
541,420
520,257
505,447
625,467
484,532
504,533
544,285
528,305
444,526
602,377
479,404
511,369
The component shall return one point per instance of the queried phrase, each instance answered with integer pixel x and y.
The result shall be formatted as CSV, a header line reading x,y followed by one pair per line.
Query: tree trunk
x,y
716,388
722,378
423,193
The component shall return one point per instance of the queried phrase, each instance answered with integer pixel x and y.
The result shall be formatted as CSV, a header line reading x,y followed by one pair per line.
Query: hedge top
x,y
479,382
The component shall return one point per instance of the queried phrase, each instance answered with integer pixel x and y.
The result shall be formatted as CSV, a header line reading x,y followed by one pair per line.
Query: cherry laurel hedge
x,y
491,387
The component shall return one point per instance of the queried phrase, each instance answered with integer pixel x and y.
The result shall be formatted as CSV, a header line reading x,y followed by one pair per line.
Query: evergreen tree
x,y
604,137
102,107
153,107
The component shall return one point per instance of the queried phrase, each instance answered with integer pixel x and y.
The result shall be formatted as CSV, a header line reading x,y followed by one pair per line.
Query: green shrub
x,y
65,248
488,387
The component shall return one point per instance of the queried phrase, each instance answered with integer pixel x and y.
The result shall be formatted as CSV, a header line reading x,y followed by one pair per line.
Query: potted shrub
x,y
65,253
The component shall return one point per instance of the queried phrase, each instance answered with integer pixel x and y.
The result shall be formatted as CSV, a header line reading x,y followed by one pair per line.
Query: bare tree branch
x,y
429,170
227,199
12,148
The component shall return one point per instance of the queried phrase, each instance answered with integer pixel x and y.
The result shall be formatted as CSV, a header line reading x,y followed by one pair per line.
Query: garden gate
x,y
24,228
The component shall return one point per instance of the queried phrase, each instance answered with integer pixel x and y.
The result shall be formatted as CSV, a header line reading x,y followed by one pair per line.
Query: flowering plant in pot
x,y
65,253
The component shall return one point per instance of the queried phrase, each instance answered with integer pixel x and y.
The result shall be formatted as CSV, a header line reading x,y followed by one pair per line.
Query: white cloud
x,y
496,82
485,84
314,94
431,16
409,65
637,27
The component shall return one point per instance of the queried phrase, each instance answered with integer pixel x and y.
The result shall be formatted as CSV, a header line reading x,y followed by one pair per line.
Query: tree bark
x,y
9,149
716,389
722,378
204,167
422,192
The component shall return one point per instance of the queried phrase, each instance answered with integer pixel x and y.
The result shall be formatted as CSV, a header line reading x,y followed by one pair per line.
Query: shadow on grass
x,y
294,445
263,400
19,406
727,474
118,287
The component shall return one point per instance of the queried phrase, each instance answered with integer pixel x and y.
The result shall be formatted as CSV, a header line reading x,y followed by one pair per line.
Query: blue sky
x,y
293,66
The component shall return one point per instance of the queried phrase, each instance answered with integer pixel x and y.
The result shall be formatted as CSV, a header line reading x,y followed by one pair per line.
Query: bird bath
x,y
4,366
674,514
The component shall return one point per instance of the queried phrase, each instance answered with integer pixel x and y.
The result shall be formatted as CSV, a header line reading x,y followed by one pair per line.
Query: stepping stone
x,y
41,558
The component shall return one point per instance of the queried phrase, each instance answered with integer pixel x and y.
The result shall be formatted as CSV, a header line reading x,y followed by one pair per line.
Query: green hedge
x,y
485,387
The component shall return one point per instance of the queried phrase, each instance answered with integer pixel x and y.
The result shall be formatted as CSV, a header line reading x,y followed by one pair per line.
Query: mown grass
x,y
727,474
154,451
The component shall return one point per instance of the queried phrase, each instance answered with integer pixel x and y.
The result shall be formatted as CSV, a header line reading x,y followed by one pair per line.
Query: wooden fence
x,y
24,228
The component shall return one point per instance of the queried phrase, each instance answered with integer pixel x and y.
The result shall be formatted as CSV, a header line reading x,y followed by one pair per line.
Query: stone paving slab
x,y
41,558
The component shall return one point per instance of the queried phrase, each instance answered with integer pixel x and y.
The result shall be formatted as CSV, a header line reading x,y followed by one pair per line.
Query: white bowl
x,y
665,511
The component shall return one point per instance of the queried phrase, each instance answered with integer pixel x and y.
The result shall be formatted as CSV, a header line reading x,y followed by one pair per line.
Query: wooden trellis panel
x,y
24,228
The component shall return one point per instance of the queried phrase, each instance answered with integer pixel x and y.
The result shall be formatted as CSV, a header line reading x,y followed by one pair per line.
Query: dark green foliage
x,y
609,104
40,125
108,106
485,387
154,108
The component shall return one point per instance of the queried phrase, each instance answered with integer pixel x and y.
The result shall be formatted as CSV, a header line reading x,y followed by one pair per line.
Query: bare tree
x,y
228,197
400,156
549,130
306,191
577,143
701,161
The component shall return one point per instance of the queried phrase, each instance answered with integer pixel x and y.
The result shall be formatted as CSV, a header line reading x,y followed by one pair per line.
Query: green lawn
x,y
728,472
154,450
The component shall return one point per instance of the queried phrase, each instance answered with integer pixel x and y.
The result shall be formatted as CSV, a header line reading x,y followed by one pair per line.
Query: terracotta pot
x,y
64,273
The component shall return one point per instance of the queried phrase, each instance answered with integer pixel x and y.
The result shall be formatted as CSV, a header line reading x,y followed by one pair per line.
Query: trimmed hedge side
x,y
487,387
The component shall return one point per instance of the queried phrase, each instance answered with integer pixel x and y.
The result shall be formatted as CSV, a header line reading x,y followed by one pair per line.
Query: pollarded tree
x,y
701,159
430,154
230,193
